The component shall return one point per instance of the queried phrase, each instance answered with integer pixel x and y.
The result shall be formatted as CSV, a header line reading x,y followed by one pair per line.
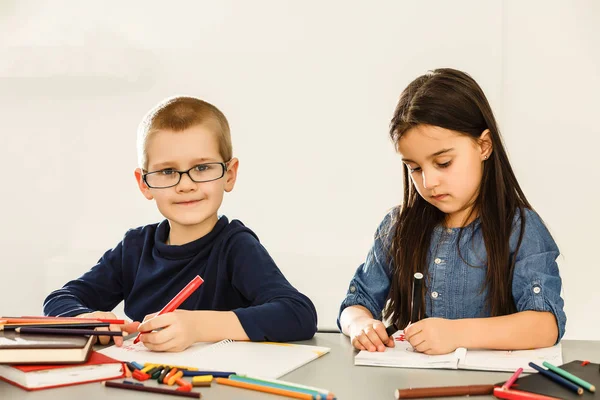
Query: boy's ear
x,y
485,144
231,174
141,184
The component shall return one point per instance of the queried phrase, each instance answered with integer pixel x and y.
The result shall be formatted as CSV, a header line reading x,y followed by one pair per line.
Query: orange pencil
x,y
265,389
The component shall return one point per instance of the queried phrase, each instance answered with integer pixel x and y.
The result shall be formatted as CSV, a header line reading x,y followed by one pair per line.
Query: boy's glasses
x,y
167,178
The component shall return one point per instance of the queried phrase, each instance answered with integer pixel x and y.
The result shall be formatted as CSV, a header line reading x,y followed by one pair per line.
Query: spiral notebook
x,y
263,359
404,356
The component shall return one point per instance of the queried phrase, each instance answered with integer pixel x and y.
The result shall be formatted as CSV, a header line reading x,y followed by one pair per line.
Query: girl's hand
x,y
177,330
369,334
125,328
432,336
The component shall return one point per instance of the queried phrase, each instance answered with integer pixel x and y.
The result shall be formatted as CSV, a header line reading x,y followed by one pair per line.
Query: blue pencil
x,y
216,374
557,378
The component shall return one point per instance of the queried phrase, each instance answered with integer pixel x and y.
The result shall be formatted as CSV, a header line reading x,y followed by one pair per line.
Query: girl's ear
x,y
485,144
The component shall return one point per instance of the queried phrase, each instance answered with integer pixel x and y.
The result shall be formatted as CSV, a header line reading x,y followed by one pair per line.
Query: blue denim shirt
x,y
454,287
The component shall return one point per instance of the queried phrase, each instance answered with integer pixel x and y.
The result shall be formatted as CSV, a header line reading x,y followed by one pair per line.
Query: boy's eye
x,y
167,172
202,168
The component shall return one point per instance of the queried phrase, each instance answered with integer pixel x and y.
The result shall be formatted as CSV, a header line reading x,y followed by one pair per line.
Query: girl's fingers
x,y
375,339
366,342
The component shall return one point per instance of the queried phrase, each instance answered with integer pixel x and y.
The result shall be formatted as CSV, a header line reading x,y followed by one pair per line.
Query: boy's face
x,y
188,204
446,167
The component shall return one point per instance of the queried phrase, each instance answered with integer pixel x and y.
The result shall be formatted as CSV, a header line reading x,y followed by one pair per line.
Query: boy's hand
x,y
126,328
432,336
177,330
369,334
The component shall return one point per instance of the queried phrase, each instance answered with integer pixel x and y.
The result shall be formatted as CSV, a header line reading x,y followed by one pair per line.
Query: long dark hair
x,y
451,99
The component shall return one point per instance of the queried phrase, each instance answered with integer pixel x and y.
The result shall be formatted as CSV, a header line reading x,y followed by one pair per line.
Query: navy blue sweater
x,y
239,276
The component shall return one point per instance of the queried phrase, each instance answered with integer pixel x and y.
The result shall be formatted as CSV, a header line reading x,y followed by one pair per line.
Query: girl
x,y
491,279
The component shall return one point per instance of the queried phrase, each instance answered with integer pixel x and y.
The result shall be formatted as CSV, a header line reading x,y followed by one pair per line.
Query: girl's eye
x,y
445,165
413,170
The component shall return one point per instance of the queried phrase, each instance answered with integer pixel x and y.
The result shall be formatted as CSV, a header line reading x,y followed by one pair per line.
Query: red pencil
x,y
12,320
178,299
511,394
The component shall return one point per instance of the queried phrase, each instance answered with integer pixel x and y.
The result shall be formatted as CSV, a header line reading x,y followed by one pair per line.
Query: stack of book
x,y
44,352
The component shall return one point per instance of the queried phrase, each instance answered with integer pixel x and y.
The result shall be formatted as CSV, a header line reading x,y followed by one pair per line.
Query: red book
x,y
34,377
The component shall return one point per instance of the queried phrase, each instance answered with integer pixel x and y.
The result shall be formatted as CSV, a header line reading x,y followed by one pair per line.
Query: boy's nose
x,y
186,183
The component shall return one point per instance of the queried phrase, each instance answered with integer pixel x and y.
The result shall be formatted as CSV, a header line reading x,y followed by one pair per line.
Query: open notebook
x,y
263,359
404,356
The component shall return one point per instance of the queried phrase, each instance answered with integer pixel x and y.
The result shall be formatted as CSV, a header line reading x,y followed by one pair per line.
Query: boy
x,y
185,166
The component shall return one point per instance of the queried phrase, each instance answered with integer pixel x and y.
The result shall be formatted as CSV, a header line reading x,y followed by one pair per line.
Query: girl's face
x,y
446,168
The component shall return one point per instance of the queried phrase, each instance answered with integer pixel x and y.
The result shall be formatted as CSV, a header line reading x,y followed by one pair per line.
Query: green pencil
x,y
586,385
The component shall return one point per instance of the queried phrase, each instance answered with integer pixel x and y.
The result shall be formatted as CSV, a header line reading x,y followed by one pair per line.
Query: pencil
x,y
150,389
60,325
264,389
557,378
58,331
284,386
177,300
511,394
586,385
444,391
59,319
512,379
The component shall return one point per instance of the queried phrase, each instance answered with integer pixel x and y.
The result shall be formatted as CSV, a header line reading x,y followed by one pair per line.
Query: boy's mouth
x,y
187,203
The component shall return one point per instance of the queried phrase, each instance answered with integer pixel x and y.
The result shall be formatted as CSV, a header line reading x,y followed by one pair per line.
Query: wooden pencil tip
x,y
592,388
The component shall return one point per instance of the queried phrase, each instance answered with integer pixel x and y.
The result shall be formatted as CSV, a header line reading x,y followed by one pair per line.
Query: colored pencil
x,y
512,379
511,394
320,390
63,325
58,331
444,391
314,393
264,389
557,378
150,389
216,374
177,300
59,319
586,385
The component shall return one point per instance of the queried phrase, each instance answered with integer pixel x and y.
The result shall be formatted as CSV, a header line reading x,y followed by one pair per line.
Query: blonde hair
x,y
178,114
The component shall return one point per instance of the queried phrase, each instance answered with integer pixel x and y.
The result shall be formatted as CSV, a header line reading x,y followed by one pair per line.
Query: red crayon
x,y
178,299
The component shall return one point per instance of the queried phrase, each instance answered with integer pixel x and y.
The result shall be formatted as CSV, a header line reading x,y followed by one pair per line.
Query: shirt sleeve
x,y
99,289
278,311
536,280
370,284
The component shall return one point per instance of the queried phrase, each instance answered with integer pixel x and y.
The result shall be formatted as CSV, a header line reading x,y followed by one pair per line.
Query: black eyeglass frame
x,y
224,165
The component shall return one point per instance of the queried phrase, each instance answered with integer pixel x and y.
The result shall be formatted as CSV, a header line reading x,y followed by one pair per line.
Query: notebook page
x,y
510,361
261,359
404,356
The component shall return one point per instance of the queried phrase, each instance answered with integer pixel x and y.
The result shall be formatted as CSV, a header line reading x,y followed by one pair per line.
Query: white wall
x,y
309,89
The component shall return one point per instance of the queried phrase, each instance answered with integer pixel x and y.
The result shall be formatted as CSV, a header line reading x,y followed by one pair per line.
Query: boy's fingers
x,y
158,322
130,327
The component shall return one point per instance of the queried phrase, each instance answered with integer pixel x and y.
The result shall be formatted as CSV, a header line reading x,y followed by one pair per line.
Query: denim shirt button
x,y
352,289
437,261
536,289
434,295
449,230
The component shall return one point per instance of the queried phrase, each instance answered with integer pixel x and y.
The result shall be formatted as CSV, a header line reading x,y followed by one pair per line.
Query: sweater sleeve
x,y
278,311
99,289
